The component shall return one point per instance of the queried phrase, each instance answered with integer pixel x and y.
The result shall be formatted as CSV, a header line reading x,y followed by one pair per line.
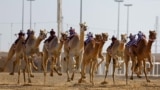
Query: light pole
x,y
0,41
119,1
11,31
127,5
30,13
81,11
22,14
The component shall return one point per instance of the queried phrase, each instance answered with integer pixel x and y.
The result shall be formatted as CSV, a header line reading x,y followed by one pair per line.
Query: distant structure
x,y
59,17
156,28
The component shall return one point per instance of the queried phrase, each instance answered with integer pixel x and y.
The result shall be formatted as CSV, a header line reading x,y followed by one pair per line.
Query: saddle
x,y
87,41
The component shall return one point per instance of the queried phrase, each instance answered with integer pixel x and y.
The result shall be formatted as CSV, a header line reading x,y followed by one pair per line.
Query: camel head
x,y
42,34
124,38
105,36
152,35
83,26
31,34
64,37
98,37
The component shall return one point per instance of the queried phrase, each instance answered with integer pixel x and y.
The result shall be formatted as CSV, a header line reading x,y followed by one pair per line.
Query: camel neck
x,y
149,45
97,45
37,43
81,38
60,45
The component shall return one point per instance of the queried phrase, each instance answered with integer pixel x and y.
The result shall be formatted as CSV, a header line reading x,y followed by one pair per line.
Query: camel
x,y
74,49
18,50
90,56
117,51
32,48
11,53
102,42
139,54
53,50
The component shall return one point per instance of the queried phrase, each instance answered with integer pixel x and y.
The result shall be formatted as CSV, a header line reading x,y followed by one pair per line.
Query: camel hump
x,y
73,41
88,40
54,41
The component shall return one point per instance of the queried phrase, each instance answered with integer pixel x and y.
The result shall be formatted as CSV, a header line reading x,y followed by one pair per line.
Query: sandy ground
x,y
60,83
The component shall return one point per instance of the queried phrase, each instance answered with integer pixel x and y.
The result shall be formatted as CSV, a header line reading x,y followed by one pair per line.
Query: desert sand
x,y
60,83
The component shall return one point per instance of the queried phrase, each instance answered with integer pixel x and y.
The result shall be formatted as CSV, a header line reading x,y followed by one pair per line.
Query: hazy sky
x,y
100,16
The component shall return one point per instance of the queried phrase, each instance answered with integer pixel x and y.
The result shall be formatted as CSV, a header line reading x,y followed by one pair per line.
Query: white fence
x,y
155,71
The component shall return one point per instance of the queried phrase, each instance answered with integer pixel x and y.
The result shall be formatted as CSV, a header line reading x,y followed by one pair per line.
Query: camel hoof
x,y
93,83
131,78
84,76
104,82
32,75
12,73
139,76
60,74
1,70
29,80
51,74
80,80
36,69
72,78
148,81
68,80
64,59
18,83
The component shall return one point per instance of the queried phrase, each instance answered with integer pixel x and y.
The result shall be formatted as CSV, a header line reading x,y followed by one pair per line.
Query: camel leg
x,y
67,70
72,77
139,67
108,59
77,62
90,71
102,59
80,61
151,64
52,66
144,63
33,64
126,63
73,68
19,70
114,67
13,69
24,74
132,67
45,62
28,69
55,64
10,55
93,66
59,64
83,72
